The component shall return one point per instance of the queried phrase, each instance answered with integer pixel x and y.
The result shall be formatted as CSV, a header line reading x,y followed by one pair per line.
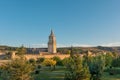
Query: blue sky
x,y
75,22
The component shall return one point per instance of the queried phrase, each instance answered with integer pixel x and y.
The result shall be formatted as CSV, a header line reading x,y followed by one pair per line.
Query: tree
x,y
58,60
108,60
49,62
40,60
96,67
21,51
65,61
76,69
32,61
18,69
116,62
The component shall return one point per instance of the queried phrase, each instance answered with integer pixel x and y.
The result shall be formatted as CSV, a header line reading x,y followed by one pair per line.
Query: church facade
x,y
52,48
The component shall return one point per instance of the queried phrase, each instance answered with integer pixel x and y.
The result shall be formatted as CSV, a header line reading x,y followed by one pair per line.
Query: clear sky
x,y
75,22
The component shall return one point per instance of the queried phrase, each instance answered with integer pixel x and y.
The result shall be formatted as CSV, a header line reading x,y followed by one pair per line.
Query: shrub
x,y
18,69
58,60
32,61
40,60
37,72
49,62
116,62
65,61
39,66
114,71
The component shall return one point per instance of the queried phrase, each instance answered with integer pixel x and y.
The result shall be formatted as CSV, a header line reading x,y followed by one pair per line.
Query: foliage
x,y
18,69
21,51
59,73
58,60
32,61
115,55
116,62
114,71
8,53
49,62
39,66
64,51
76,70
108,59
96,66
65,61
40,60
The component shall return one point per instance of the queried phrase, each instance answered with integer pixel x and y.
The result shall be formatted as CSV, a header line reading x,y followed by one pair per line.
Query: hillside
x,y
66,49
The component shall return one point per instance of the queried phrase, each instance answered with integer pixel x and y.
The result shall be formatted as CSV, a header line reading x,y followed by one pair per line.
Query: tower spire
x,y
52,33
52,43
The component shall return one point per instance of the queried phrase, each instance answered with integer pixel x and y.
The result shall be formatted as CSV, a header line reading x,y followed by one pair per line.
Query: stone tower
x,y
52,43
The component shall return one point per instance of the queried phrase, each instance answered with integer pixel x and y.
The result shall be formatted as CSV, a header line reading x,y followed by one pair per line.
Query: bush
x,y
49,62
32,61
114,71
37,72
39,66
18,69
65,61
58,60
8,53
116,62
6,57
40,60
108,60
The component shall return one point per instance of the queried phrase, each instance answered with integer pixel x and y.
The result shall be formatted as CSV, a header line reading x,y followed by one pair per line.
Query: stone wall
x,y
62,56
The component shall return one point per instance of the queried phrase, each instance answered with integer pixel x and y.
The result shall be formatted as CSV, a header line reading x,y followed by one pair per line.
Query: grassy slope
x,y
58,74
47,74
106,76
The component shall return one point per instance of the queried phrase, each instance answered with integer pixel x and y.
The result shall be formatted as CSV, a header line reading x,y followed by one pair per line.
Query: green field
x,y
106,76
58,74
47,74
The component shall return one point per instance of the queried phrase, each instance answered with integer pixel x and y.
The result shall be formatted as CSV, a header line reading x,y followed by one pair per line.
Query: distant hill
x,y
64,49
92,49
113,49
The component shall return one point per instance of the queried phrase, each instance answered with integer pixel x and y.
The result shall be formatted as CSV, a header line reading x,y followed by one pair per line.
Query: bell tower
x,y
52,43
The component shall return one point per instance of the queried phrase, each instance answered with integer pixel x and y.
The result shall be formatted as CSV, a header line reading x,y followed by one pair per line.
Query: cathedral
x,y
52,43
43,52
51,46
